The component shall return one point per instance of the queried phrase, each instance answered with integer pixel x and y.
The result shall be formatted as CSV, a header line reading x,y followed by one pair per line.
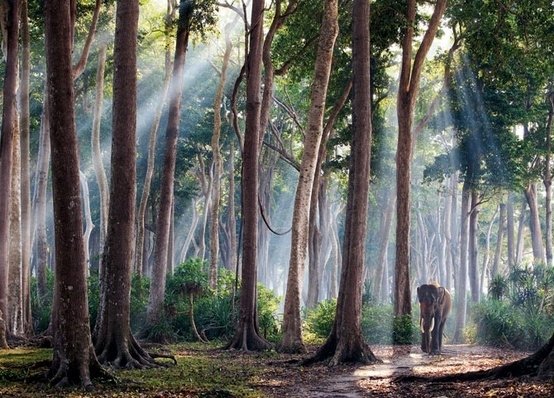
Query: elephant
x,y
434,304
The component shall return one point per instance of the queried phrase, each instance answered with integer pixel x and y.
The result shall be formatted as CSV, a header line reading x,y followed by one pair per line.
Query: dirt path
x,y
379,380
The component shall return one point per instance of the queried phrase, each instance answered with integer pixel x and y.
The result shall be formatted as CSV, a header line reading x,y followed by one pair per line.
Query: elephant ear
x,y
418,294
442,293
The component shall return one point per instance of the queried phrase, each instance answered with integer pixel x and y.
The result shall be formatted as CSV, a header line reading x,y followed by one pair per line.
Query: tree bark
x,y
292,324
499,238
157,286
473,266
510,230
547,179
97,163
384,238
345,343
15,298
74,361
26,211
454,244
232,222
217,166
535,224
114,343
316,224
89,226
407,93
247,335
9,129
461,274
40,201
140,261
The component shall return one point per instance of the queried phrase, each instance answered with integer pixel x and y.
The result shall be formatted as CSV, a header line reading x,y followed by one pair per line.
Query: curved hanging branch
x,y
267,222
79,67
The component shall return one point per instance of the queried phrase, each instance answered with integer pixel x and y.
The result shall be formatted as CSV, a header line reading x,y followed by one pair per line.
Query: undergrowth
x,y
207,373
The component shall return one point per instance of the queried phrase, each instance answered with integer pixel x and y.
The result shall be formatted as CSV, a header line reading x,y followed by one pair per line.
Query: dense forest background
x,y
273,171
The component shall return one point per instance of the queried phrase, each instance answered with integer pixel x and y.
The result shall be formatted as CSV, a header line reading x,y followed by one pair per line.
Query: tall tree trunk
x,y
74,361
316,224
26,211
461,274
157,286
473,266
547,179
384,238
247,336
510,230
40,202
114,343
499,238
408,88
535,224
345,343
520,233
140,261
89,226
15,298
98,165
217,166
231,218
292,324
486,255
454,230
9,129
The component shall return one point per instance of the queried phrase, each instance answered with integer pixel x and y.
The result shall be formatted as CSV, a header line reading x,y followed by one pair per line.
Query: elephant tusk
x,y
432,324
421,325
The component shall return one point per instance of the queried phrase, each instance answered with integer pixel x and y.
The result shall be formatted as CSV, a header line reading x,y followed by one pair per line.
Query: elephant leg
x,y
436,335
425,346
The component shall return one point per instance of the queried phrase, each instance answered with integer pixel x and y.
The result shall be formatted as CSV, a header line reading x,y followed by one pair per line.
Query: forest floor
x,y
206,372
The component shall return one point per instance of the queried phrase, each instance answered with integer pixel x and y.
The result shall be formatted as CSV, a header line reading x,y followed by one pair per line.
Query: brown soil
x,y
283,377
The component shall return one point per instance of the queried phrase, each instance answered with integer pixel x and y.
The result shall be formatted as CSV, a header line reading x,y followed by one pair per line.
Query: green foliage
x,y
41,308
498,288
215,311
378,324
377,321
140,286
189,277
205,373
319,320
517,313
268,304
162,331
404,331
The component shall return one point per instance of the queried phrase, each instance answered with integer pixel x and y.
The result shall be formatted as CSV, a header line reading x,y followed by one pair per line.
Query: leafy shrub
x,y
140,286
380,326
215,312
42,308
319,320
518,314
404,331
500,323
268,303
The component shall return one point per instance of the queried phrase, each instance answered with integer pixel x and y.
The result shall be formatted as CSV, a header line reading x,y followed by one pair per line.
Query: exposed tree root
x,y
296,347
335,352
248,339
538,364
62,374
128,354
